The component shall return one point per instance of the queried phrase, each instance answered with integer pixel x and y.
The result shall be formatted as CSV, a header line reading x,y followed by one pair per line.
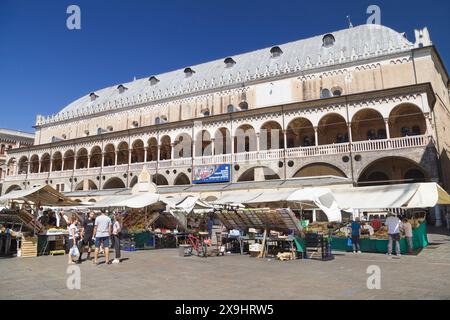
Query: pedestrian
x,y
117,230
376,223
102,232
74,235
356,235
87,235
394,224
407,227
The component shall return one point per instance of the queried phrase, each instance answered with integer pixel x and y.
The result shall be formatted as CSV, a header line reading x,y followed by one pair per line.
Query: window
x,y
161,120
64,136
153,80
205,113
230,108
188,72
276,52
328,41
122,88
110,128
405,132
135,124
337,91
86,133
243,106
93,96
229,62
325,93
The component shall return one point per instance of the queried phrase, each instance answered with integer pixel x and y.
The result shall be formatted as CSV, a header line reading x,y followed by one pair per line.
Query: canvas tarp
x,y
135,201
43,195
415,195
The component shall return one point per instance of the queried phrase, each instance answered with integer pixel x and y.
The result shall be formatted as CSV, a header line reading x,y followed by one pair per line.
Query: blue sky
x,y
44,66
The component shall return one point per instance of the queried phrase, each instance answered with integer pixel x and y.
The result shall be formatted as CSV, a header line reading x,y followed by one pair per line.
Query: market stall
x,y
35,236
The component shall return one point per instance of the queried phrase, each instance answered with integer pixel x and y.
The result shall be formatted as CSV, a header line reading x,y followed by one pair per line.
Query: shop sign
x,y
212,174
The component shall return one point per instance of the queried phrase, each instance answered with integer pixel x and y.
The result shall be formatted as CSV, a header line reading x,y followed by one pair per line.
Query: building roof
x,y
351,44
14,135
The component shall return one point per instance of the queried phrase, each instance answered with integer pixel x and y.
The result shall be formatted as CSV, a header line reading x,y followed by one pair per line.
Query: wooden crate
x,y
29,247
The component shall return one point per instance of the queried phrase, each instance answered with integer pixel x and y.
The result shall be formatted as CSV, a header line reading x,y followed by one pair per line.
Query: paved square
x,y
162,274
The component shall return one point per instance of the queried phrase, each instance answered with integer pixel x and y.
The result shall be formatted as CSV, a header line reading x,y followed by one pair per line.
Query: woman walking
x,y
74,235
117,229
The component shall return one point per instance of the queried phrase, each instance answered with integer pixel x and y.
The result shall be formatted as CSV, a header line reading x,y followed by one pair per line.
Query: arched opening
x,y
183,146
243,106
134,181
181,180
114,183
165,149
69,160
57,161
152,153
407,120
45,163
332,129
13,188
160,180
23,165
82,159
123,153
300,133
245,139
110,156
138,153
392,170
368,124
203,144
11,166
258,174
271,136
319,170
96,157
86,185
34,164
222,141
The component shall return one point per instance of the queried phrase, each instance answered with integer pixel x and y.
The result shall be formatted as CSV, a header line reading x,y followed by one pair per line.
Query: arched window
x,y
230,108
188,72
405,132
206,113
325,93
337,91
276,52
371,135
328,41
229,62
153,80
243,106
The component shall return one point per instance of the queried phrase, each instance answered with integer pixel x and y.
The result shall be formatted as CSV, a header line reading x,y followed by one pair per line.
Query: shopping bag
x,y
74,253
349,242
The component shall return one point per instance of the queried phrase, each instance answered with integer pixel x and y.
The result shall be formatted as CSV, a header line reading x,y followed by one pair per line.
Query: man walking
x,y
394,224
102,232
87,235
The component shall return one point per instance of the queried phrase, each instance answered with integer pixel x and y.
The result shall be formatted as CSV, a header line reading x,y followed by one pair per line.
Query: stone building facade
x,y
362,105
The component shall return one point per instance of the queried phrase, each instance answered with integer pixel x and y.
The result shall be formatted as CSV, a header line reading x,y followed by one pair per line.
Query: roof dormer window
x,y
229,62
122,88
153,80
276,52
328,41
93,96
135,124
188,72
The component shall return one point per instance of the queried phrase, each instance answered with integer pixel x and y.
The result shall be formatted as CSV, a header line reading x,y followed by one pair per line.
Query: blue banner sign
x,y
212,174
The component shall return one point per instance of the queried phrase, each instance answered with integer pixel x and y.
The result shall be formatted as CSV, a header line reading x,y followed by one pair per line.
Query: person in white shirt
x,y
117,229
394,224
74,235
102,232
407,227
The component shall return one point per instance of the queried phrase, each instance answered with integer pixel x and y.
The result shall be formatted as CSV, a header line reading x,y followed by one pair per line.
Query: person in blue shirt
x,y
356,235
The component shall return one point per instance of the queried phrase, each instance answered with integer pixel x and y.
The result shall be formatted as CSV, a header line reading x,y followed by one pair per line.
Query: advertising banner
x,y
212,174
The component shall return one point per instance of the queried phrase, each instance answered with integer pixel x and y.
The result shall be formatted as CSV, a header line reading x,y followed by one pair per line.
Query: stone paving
x,y
162,274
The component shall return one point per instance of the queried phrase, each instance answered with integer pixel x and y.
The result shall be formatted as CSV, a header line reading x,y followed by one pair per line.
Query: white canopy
x,y
134,201
415,195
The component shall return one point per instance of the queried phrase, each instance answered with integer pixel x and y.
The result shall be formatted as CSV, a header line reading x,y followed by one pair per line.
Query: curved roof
x,y
350,44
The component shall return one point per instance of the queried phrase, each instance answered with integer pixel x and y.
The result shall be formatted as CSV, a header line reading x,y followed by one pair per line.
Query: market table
x,y
420,240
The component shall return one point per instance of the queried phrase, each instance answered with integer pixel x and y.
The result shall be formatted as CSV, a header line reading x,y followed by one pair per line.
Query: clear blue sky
x,y
44,66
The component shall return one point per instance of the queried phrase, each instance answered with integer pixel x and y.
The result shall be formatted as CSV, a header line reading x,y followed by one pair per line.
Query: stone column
x,y
51,165
159,153
172,151
130,153
350,135
116,156
103,160
62,163
145,154
386,124
285,139
429,127
316,136
29,167
213,146
40,166
257,144
89,161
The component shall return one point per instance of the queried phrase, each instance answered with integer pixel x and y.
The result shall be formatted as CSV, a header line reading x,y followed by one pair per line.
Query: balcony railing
x,y
254,156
